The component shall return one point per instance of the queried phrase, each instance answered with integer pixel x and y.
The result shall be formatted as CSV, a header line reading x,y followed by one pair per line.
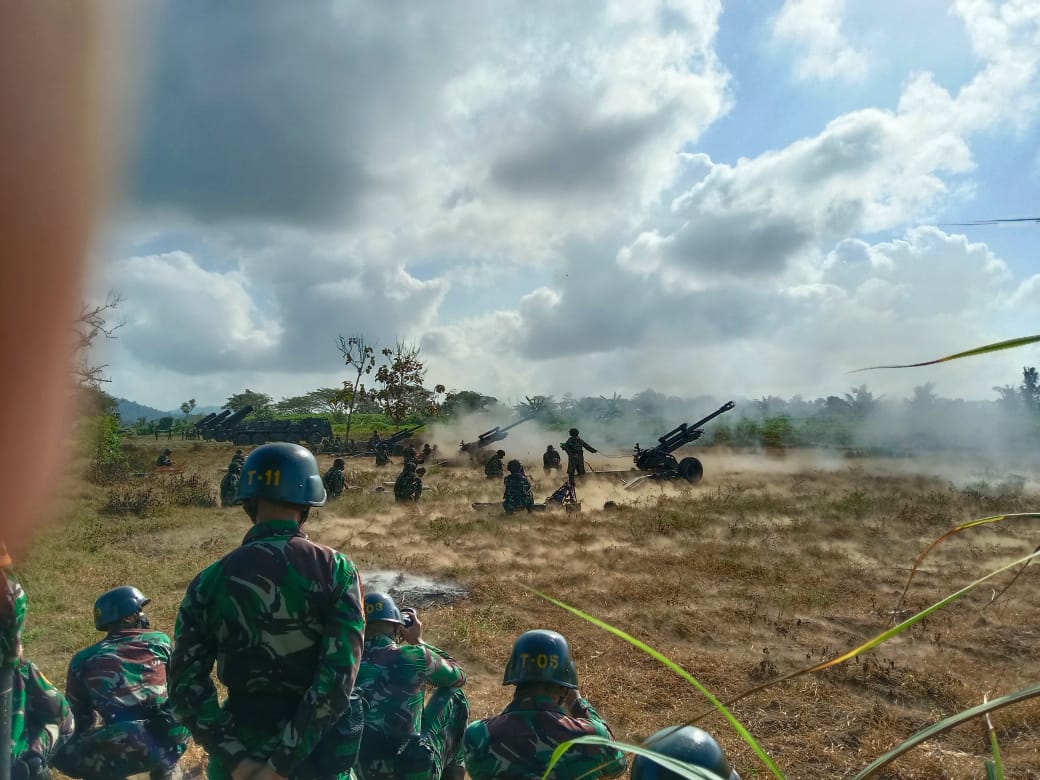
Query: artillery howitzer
x,y
394,442
228,426
661,462
489,437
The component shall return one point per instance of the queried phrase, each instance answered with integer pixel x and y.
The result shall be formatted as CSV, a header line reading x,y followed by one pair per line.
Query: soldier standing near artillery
x,y
547,710
164,459
335,480
405,738
493,468
282,618
382,452
518,494
229,484
575,447
122,678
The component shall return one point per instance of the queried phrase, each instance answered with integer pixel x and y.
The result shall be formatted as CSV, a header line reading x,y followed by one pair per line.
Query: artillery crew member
x,y
518,494
688,744
122,678
282,618
408,486
164,459
575,447
547,710
403,738
229,484
409,454
238,458
382,451
335,480
551,459
493,468
427,451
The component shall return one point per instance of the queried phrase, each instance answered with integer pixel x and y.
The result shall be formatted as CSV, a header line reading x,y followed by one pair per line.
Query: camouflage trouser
x,y
262,737
575,465
122,749
428,754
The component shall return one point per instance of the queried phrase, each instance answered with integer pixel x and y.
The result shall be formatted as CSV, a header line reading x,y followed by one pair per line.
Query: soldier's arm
x,y
442,671
47,713
78,697
192,692
328,697
587,446
481,763
611,761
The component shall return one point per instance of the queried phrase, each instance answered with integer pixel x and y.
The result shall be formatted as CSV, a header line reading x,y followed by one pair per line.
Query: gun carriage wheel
x,y
691,470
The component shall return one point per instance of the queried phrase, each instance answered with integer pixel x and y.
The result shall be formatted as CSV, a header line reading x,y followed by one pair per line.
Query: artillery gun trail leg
x,y
691,470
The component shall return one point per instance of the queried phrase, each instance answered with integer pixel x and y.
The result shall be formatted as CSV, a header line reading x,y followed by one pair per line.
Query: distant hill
x,y
130,412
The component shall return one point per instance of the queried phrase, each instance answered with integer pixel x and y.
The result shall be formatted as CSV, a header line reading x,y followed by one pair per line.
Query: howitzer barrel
x,y
488,436
217,420
205,421
235,418
721,410
518,422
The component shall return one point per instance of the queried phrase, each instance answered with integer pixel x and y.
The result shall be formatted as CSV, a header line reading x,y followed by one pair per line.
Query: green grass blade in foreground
x,y
744,733
884,636
671,764
995,765
956,530
944,725
1009,344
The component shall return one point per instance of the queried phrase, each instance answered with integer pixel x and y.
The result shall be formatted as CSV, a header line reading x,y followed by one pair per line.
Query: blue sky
x,y
598,199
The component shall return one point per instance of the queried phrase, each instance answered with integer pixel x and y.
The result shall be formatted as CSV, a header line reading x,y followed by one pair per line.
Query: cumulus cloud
x,y
814,29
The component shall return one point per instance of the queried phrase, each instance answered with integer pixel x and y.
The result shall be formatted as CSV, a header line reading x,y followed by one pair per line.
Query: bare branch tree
x,y
94,321
360,356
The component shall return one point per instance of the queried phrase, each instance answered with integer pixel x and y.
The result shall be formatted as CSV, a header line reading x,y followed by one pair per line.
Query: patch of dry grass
x,y
765,567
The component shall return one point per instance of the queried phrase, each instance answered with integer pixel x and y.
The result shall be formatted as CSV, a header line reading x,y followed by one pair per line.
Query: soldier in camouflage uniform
x,y
409,454
493,468
551,459
238,458
334,479
40,718
404,740
229,484
575,448
408,486
547,710
282,618
164,459
122,678
382,450
518,489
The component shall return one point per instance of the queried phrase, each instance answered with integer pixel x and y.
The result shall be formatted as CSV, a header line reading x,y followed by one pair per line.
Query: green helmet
x,y
688,744
116,604
514,467
541,656
380,606
235,466
282,472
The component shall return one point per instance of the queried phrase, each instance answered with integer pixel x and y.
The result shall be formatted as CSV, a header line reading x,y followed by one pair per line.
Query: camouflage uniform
x,y
229,484
41,721
551,460
282,618
334,481
409,454
123,679
517,744
493,468
518,493
403,740
382,453
575,448
13,606
408,486
164,460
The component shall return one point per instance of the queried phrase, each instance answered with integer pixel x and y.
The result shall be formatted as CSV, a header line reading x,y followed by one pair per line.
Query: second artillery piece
x,y
660,461
473,448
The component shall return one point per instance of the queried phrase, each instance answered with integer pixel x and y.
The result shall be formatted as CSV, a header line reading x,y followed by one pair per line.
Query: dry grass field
x,y
772,563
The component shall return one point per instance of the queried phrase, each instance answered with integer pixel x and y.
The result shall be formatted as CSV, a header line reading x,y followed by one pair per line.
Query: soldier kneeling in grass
x,y
518,494
547,710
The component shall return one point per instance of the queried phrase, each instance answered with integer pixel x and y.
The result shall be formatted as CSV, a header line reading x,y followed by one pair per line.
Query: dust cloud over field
x,y
771,563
